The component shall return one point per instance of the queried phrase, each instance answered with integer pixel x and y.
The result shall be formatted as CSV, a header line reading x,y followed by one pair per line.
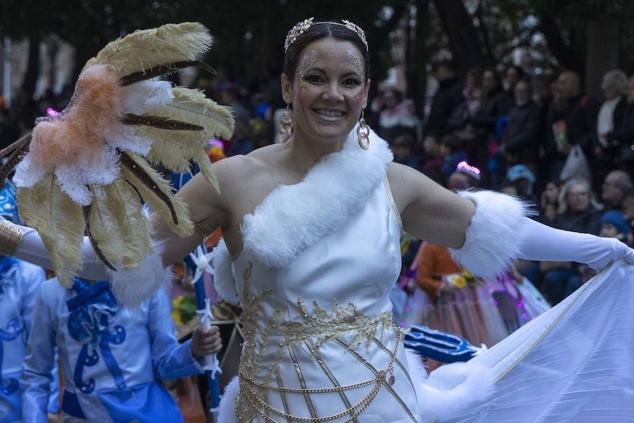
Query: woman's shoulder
x,y
244,167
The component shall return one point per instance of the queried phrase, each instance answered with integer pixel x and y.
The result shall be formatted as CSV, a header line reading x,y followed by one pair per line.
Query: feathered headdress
x,y
88,170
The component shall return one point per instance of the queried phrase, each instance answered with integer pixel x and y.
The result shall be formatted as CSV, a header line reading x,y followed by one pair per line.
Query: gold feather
x,y
117,206
189,106
127,212
60,223
147,48
177,216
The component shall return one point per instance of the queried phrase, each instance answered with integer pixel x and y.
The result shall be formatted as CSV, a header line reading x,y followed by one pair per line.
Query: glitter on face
x,y
353,55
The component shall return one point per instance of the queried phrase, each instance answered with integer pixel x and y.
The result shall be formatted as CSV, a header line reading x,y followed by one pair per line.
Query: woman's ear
x,y
287,89
366,93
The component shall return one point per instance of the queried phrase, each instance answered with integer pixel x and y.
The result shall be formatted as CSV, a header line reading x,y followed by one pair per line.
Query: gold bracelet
x,y
10,237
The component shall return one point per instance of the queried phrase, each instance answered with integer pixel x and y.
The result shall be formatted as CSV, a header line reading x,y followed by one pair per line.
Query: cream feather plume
x,y
60,223
85,170
147,48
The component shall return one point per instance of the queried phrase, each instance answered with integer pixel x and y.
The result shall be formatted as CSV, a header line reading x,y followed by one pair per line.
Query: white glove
x,y
543,243
32,250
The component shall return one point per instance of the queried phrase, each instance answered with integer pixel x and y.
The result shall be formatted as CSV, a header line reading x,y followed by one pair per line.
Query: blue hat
x,y
520,172
616,219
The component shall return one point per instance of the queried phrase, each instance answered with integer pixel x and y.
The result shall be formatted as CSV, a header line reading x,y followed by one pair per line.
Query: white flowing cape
x,y
575,362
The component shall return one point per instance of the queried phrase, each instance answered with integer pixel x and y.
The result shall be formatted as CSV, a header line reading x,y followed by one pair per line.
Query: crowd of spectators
x,y
538,136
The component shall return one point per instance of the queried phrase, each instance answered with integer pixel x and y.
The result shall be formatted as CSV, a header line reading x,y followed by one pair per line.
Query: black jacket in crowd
x,y
588,221
523,133
447,98
493,105
580,115
623,133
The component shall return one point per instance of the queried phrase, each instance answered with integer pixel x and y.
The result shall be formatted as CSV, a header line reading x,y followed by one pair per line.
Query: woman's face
x,y
328,91
578,198
551,192
489,83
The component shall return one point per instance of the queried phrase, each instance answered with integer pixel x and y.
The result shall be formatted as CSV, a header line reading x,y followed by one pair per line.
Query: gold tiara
x,y
303,26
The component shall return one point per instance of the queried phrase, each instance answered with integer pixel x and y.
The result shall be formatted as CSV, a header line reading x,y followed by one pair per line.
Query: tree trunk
x,y
418,59
464,41
564,54
602,51
33,65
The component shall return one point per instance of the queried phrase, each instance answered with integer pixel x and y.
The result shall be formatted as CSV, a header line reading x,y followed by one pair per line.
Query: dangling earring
x,y
363,132
286,124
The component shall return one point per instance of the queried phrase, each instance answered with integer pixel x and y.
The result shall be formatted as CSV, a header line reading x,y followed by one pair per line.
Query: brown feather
x,y
93,241
159,122
163,69
147,180
19,144
12,162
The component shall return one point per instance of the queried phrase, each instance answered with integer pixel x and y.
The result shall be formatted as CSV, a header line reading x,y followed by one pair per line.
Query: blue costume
x,y
111,356
19,284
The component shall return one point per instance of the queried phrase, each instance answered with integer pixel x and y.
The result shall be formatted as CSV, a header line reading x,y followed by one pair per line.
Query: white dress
x,y
325,321
314,277
320,342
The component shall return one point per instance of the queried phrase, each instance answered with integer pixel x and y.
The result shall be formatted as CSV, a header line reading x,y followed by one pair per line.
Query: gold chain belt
x,y
355,410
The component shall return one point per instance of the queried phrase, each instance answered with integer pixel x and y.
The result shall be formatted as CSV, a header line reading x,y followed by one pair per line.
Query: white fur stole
x,y
294,217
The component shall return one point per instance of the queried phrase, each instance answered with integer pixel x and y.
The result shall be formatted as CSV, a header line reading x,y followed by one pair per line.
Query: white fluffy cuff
x,y
492,240
133,285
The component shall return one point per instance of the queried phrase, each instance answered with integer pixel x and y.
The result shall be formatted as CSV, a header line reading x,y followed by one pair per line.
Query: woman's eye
x,y
351,83
313,79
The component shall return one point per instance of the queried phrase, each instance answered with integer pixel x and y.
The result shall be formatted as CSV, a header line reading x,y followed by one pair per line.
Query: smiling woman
x,y
326,81
311,250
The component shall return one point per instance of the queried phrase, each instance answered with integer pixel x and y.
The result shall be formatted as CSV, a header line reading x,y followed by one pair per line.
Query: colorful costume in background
x,y
469,311
111,357
19,286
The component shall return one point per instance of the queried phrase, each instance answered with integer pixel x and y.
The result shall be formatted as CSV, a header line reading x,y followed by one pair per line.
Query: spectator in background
x,y
614,225
578,213
434,159
494,104
523,180
572,120
465,177
522,135
578,210
512,74
230,96
611,114
397,112
615,185
621,138
403,149
448,96
460,117
549,204
454,152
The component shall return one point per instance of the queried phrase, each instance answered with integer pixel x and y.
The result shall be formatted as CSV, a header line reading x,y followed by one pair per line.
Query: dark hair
x,y
528,83
496,75
316,32
452,142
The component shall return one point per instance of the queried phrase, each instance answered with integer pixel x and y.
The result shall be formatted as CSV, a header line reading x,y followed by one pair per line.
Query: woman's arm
x,y
487,230
429,211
